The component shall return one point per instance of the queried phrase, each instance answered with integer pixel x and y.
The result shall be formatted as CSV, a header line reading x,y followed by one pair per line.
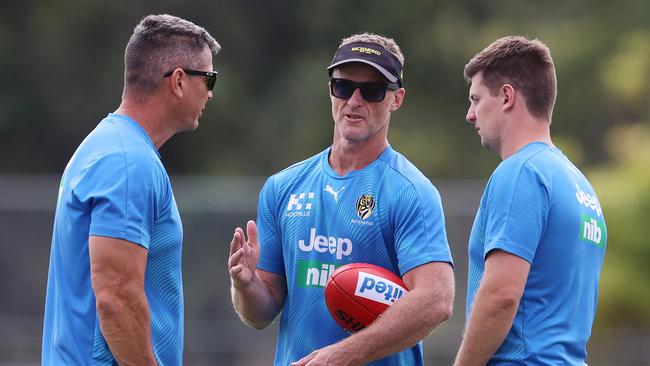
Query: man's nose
x,y
356,98
470,117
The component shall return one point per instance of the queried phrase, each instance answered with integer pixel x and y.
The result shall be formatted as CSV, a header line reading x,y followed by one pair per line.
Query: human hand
x,y
327,356
244,255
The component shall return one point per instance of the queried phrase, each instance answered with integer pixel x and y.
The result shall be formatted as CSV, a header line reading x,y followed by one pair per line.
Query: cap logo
x,y
367,50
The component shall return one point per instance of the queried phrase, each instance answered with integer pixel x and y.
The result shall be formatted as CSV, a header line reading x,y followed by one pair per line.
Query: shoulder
x,y
402,174
118,146
534,161
528,173
298,170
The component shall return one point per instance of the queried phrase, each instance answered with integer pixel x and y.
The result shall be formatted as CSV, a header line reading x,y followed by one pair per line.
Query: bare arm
x,y
258,296
117,270
494,307
414,316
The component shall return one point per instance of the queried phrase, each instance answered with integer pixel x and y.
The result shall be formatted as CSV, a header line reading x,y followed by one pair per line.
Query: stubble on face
x,y
200,95
483,115
357,120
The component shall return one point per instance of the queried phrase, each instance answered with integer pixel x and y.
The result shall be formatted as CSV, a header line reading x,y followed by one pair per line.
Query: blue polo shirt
x,y
312,221
114,186
538,206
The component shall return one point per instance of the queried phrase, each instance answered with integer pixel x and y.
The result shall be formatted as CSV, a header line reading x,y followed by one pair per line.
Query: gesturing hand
x,y
244,255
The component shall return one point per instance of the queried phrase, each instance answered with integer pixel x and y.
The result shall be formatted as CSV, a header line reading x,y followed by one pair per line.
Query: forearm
x,y
403,325
125,324
255,303
490,321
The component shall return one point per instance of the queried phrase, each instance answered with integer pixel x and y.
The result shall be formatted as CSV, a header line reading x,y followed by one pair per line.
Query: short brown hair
x,y
160,43
525,64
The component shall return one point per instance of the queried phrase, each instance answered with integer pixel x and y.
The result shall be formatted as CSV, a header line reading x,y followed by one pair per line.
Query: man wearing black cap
x,y
359,201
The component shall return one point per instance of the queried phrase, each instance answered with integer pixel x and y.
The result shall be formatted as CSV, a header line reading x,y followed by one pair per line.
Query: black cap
x,y
371,54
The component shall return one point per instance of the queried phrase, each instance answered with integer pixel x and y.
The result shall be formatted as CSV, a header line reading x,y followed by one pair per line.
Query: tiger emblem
x,y
365,204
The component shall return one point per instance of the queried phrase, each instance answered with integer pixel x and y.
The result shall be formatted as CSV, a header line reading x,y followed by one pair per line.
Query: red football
x,y
357,293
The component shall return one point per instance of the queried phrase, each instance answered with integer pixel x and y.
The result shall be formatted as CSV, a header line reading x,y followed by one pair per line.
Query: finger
x,y
235,258
235,271
303,361
235,243
239,231
237,276
251,230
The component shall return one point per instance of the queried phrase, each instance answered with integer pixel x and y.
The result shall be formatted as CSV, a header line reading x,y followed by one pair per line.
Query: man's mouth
x,y
353,116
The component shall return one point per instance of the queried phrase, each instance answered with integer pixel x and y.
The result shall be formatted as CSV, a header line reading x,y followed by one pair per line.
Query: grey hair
x,y
160,43
387,43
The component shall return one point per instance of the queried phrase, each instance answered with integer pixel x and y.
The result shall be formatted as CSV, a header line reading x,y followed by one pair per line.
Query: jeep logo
x,y
589,201
338,246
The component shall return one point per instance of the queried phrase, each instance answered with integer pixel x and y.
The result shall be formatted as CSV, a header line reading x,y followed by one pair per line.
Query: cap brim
x,y
392,78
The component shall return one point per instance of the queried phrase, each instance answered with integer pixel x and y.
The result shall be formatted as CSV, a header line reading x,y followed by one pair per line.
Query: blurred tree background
x,y
62,64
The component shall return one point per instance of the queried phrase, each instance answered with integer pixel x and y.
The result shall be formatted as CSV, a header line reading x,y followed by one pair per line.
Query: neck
x,y
346,156
527,130
150,116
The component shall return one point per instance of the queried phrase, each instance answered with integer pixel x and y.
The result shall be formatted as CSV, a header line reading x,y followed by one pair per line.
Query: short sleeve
x,y
517,206
269,235
420,234
120,195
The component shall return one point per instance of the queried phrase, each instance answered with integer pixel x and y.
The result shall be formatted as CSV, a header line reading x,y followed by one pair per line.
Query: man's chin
x,y
191,128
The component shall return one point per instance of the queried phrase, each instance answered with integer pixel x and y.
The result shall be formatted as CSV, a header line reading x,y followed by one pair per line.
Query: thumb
x,y
251,231
303,361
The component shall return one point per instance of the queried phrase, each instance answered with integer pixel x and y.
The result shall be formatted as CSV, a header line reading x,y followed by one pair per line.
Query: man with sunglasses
x,y
114,292
359,201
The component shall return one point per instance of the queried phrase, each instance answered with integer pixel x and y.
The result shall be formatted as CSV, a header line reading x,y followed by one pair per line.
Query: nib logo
x,y
593,231
312,273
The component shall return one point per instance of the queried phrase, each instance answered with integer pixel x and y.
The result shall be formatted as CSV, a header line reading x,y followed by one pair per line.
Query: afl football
x,y
357,293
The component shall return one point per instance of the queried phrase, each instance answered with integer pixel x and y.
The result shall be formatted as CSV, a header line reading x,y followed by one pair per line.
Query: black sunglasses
x,y
210,75
370,91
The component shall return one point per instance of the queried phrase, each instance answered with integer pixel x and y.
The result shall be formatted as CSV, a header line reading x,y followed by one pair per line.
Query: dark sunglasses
x,y
211,76
370,91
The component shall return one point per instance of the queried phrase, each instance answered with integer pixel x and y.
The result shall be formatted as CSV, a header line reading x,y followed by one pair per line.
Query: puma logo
x,y
329,189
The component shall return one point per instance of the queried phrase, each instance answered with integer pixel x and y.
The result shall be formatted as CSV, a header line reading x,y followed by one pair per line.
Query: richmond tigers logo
x,y
365,204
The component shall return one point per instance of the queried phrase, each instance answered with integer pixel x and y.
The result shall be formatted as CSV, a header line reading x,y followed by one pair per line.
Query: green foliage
x,y
62,72
623,187
626,75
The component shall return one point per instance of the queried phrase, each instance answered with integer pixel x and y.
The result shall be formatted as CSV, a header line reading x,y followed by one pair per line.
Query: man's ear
x,y
176,82
397,99
509,96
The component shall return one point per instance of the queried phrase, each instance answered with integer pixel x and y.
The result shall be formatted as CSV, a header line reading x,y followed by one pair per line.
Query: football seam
x,y
371,268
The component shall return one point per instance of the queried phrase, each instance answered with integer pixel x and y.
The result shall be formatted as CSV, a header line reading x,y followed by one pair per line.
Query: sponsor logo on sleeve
x,y
593,231
589,201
